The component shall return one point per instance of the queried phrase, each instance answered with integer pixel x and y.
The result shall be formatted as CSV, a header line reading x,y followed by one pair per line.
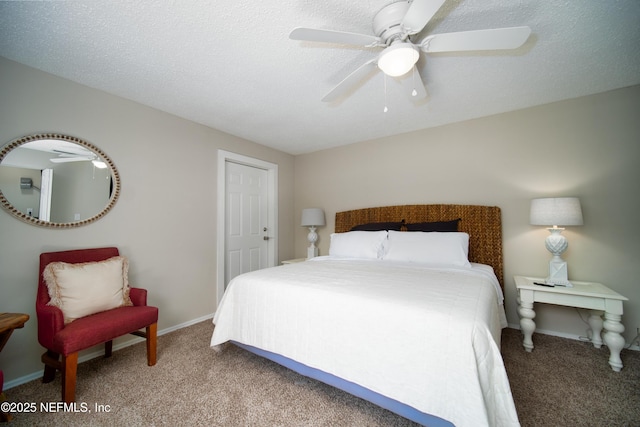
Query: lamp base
x,y
312,252
312,237
558,275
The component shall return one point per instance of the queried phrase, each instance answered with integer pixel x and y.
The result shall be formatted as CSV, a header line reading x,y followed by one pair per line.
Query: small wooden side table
x,y
594,296
8,323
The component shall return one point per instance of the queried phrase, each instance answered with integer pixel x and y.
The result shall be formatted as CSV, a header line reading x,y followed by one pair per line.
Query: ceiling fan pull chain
x,y
384,79
414,92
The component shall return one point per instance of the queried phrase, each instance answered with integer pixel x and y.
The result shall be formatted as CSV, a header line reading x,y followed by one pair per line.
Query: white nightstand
x,y
594,296
293,261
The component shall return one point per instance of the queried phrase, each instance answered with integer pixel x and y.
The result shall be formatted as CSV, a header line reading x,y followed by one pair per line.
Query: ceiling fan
x,y
393,28
71,157
66,157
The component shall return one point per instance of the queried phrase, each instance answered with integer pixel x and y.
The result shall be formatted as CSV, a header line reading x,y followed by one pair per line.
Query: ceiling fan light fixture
x,y
398,59
99,164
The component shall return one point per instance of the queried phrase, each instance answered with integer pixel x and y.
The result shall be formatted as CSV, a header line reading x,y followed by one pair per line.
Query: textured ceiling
x,y
230,65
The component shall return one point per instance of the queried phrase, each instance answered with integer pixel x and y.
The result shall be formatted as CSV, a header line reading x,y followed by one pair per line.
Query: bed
x,y
406,311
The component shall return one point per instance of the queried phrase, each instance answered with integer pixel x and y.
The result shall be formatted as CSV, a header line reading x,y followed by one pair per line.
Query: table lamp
x,y
556,212
312,218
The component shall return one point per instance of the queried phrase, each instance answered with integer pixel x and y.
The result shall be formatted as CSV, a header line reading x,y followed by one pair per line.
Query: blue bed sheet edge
x,y
351,388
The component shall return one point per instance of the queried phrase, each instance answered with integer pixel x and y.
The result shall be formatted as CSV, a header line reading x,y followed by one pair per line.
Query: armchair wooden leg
x,y
51,364
108,347
152,339
69,371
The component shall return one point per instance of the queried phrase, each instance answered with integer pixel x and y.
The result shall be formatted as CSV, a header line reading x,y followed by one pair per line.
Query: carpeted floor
x,y
562,382
569,383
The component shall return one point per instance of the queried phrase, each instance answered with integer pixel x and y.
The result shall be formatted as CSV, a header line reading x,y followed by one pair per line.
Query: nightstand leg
x,y
527,324
595,322
613,339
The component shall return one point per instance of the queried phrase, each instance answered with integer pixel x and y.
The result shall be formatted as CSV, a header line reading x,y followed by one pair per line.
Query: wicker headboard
x,y
483,223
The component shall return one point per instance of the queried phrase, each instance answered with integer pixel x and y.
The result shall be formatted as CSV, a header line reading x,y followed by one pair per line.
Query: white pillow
x,y
358,244
86,288
429,247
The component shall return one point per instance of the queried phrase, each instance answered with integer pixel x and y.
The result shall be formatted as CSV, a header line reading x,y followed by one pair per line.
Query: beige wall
x,y
166,216
164,221
587,147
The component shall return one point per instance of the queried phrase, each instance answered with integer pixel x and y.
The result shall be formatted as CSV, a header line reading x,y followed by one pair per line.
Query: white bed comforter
x,y
427,337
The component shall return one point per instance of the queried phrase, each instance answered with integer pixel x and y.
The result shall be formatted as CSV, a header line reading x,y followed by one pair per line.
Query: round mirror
x,y
57,181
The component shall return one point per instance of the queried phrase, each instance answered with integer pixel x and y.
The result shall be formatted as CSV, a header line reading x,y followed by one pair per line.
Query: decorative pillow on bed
x,y
448,226
379,226
86,288
358,244
449,248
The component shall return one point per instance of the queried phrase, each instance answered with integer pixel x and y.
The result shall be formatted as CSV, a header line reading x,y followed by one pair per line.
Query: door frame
x,y
272,209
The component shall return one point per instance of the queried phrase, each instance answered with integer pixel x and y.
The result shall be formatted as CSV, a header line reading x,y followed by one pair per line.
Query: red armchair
x,y
63,342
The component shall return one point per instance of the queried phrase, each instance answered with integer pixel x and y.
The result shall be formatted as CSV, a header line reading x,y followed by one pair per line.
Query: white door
x,y
46,185
246,219
231,260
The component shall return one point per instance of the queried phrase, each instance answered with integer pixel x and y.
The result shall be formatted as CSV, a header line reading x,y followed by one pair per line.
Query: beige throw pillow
x,y
87,288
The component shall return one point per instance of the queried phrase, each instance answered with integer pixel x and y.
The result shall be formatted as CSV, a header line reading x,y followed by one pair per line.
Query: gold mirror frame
x,y
7,206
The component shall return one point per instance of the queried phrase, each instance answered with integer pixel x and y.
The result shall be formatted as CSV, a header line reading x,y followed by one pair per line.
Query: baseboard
x,y
99,353
627,346
30,377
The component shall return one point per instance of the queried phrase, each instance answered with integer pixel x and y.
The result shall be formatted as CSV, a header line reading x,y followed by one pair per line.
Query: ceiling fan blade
x,y
492,39
419,14
77,152
412,85
331,36
71,159
351,80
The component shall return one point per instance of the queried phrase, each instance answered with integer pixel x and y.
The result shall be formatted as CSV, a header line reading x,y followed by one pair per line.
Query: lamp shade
x,y
312,217
559,211
398,59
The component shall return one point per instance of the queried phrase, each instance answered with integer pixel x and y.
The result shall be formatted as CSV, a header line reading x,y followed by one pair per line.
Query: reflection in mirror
x,y
55,180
